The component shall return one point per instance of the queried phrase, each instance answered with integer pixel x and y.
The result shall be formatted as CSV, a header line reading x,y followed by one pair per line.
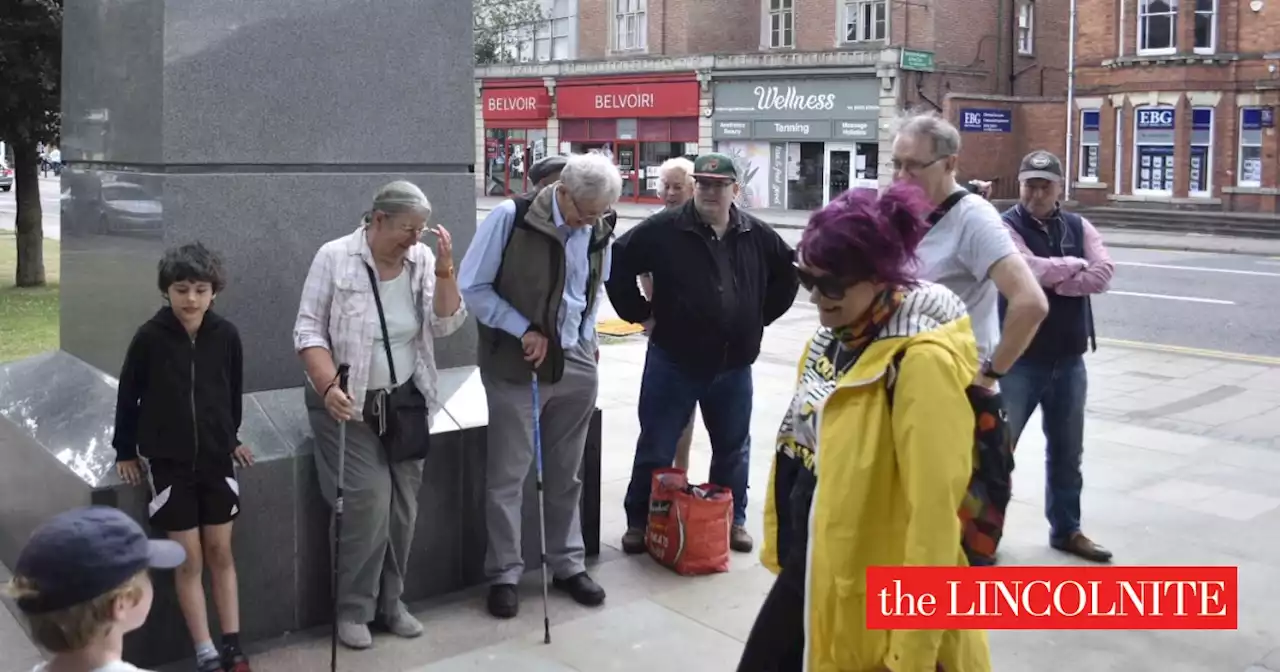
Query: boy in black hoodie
x,y
178,412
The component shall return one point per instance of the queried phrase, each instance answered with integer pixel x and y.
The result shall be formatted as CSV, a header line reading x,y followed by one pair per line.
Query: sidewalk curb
x,y
1233,248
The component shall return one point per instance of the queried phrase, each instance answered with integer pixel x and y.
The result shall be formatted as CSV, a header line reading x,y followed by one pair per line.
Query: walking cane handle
x,y
344,377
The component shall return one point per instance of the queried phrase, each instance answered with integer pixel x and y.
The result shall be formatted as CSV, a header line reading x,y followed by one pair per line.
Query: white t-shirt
x,y
118,666
402,325
958,253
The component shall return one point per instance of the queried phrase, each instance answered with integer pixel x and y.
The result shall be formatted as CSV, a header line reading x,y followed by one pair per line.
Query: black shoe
x,y
504,600
1083,547
582,589
633,541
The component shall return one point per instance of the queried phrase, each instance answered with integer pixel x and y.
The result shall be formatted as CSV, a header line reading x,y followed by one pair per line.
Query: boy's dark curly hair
x,y
192,262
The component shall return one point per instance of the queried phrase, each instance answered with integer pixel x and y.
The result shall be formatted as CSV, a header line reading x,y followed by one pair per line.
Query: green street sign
x,y
917,60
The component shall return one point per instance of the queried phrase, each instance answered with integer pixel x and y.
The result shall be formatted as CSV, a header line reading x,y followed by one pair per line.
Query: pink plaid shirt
x,y
337,312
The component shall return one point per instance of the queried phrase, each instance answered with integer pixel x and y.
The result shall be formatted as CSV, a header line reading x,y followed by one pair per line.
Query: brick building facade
x,y
802,93
1176,104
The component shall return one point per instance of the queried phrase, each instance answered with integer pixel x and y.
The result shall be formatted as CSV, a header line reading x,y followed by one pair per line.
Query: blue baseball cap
x,y
85,553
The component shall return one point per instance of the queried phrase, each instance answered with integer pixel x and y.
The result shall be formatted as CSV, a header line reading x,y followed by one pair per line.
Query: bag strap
x,y
891,375
945,207
522,204
382,319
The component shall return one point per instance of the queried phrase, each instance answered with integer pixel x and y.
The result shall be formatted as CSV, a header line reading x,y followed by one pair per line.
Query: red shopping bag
x,y
689,525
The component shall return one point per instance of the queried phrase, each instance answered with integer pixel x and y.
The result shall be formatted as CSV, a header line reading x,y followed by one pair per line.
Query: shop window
x,y
630,25
1157,26
806,164
653,130
1153,142
780,22
1206,26
1201,172
574,130
684,130
1026,27
603,129
865,20
1250,171
1090,123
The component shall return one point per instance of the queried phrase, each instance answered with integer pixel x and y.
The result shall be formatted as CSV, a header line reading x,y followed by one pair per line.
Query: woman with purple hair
x,y
881,413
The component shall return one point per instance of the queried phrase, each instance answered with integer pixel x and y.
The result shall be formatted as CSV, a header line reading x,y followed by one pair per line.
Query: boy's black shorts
x,y
183,497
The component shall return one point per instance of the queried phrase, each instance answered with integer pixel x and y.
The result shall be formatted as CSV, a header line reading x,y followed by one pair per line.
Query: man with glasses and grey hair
x,y
415,300
532,276
968,250
720,276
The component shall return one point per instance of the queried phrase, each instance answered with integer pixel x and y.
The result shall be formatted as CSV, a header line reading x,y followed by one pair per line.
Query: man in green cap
x,y
719,277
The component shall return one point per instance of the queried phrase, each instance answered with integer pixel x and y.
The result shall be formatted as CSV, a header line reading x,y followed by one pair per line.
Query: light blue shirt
x,y
484,256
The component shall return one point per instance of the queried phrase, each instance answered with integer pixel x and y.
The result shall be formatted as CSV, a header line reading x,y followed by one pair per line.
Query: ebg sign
x,y
1161,118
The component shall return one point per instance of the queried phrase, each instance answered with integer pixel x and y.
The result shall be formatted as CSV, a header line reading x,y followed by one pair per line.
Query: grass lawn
x,y
28,317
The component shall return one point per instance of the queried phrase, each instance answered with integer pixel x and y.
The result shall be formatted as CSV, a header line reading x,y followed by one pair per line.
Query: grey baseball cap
x,y
546,166
1040,165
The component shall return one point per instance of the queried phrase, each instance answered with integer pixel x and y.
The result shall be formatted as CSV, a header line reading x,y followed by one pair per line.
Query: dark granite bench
x,y
56,417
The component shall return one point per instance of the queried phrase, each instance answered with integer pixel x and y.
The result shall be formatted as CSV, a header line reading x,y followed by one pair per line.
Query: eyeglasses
x,y
913,166
406,227
827,285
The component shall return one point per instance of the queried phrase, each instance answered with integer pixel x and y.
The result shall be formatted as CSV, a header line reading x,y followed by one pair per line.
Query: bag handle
x,y
382,319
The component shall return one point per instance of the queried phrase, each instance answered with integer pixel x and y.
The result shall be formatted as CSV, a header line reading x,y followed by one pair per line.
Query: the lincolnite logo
x,y
713,164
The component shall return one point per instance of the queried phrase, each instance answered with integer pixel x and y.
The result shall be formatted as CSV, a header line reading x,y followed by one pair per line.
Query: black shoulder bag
x,y
399,416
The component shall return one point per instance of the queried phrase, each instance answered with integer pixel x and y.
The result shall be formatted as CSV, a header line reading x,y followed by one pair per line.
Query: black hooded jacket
x,y
179,397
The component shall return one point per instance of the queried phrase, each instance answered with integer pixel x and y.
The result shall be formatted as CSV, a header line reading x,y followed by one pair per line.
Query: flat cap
x,y
546,166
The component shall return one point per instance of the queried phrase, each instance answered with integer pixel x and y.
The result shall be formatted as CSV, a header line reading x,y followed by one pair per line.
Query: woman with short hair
x,y
376,299
875,451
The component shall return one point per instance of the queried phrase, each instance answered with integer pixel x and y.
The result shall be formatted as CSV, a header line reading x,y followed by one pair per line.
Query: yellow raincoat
x,y
888,494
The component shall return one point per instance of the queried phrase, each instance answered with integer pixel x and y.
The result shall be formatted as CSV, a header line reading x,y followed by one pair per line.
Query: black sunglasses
x,y
828,285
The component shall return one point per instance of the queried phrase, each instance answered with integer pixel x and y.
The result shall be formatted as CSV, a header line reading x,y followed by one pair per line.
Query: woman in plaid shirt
x,y
339,321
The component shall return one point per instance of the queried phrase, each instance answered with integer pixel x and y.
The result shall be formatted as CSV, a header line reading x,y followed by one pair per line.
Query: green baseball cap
x,y
716,166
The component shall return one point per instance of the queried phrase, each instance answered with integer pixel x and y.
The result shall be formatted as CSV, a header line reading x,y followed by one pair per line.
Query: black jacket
x,y
179,397
691,323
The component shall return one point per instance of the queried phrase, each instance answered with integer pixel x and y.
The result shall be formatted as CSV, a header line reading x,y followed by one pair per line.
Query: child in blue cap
x,y
82,582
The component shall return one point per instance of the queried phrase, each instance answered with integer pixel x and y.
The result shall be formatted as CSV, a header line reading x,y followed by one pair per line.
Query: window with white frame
x,y
1201,172
1206,25
1250,171
866,20
550,39
1026,27
630,25
1157,26
1153,141
1090,127
780,23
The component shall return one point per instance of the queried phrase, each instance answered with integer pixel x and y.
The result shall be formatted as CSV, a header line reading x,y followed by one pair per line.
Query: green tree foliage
x,y
503,26
30,104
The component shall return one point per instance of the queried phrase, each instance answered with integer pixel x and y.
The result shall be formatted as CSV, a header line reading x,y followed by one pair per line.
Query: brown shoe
x,y
1083,547
633,541
740,540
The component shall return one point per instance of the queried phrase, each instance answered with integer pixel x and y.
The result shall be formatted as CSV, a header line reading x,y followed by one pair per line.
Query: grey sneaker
x,y
354,635
401,623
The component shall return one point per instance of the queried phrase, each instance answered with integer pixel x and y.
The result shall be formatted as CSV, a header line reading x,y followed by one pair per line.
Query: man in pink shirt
x,y
1067,257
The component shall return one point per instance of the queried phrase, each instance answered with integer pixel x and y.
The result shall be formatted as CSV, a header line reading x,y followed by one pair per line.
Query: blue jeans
x,y
667,398
1059,388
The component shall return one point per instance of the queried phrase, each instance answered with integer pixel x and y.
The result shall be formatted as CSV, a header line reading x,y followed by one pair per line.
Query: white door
x,y
837,170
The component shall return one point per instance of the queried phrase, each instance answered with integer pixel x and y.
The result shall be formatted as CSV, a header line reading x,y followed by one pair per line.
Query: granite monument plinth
x,y
56,416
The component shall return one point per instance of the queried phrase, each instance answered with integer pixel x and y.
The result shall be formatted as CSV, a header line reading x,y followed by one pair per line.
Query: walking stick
x,y
542,509
344,371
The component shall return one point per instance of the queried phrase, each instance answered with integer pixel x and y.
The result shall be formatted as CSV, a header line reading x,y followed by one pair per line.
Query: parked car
x,y
6,177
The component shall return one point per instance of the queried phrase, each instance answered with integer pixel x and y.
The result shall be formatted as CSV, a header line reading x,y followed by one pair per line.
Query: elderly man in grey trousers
x,y
532,276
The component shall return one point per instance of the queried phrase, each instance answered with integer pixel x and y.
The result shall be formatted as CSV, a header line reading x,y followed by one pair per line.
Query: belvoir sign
x,y
802,109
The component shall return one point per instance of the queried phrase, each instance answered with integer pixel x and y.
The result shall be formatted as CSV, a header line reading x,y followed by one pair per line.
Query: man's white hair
x,y
592,178
943,137
675,170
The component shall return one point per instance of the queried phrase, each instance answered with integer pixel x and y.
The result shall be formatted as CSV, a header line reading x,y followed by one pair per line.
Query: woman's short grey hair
x,y
675,170
592,178
397,198
941,133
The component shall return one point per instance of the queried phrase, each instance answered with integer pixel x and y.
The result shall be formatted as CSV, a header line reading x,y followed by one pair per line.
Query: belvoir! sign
x,y
799,109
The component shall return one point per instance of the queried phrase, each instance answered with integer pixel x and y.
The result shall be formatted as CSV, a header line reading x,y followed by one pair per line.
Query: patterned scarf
x,y
856,336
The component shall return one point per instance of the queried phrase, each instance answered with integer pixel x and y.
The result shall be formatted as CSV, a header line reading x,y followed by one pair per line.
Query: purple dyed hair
x,y
866,236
